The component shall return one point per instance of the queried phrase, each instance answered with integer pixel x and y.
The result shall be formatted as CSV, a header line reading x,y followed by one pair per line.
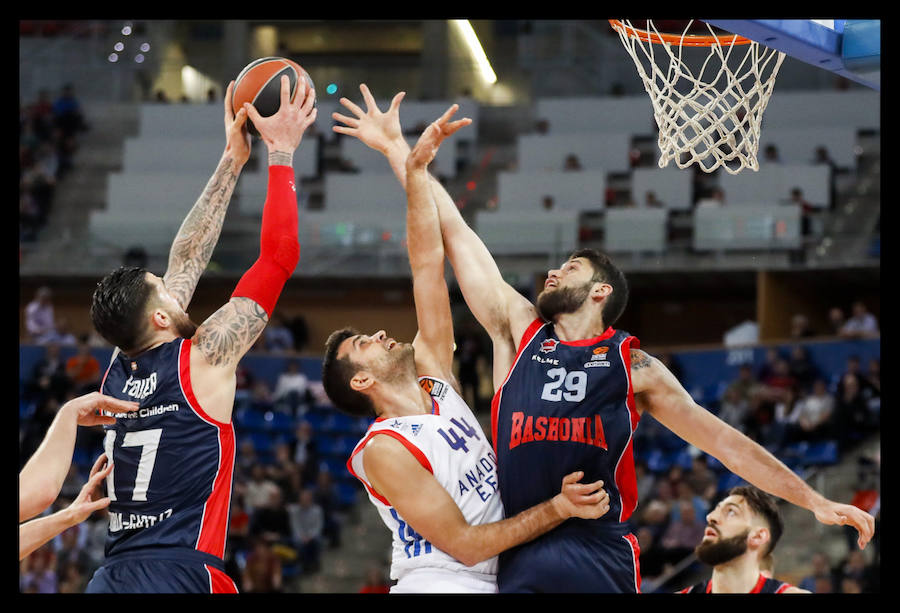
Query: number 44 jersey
x,y
449,443
170,486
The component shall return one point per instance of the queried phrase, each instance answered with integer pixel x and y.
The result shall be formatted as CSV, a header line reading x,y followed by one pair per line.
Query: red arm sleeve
x,y
279,246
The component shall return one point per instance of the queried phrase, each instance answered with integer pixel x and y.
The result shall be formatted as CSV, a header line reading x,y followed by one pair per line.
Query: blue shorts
x,y
162,571
580,556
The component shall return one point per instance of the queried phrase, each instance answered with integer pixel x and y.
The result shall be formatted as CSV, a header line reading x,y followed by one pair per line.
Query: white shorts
x,y
443,581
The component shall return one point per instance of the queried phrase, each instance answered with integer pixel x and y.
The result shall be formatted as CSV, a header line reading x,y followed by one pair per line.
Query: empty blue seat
x,y
729,480
824,453
347,493
658,461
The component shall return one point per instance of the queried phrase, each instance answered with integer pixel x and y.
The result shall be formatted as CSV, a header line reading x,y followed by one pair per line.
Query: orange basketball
x,y
259,83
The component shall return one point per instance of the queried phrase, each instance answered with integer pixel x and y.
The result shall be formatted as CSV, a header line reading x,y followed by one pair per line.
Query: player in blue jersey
x,y
569,391
173,457
741,533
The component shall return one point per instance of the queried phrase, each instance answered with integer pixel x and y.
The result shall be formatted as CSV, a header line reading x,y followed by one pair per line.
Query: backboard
x,y
848,47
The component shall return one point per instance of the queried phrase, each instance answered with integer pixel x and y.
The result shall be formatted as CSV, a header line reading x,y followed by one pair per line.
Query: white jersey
x,y
451,445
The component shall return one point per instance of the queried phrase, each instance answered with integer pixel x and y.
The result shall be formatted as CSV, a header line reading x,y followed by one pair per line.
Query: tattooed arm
x,y
658,392
199,233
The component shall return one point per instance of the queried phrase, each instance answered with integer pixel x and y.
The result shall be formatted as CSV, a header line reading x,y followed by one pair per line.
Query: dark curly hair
x,y
119,302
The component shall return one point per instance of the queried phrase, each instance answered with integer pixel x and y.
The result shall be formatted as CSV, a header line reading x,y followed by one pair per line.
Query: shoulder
x,y
793,589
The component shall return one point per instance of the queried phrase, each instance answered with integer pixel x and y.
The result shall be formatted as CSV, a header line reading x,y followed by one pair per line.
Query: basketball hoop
x,y
712,118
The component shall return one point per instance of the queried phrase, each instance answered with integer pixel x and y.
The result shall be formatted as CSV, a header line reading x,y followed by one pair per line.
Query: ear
x,y
160,319
758,538
362,381
600,291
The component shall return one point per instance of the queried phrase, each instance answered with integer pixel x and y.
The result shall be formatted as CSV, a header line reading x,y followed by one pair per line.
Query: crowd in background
x,y
48,140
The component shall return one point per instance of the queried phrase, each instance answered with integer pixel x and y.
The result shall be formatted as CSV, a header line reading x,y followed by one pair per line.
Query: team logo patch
x,y
601,350
549,345
434,388
134,366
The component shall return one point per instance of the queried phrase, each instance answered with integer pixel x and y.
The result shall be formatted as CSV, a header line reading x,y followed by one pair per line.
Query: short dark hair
x,y
766,506
118,305
606,271
336,375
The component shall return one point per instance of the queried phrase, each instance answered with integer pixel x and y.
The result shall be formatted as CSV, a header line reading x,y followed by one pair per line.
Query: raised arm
x,y
230,332
434,342
501,310
422,502
199,232
659,393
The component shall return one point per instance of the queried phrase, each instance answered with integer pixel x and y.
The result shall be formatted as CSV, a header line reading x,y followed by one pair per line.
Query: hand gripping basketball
x,y
284,130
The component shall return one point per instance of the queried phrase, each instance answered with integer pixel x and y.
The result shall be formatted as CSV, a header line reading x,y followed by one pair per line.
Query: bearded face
x,y
722,550
557,301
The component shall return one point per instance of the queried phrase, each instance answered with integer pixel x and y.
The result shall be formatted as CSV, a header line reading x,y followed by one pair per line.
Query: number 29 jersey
x,y
566,406
451,445
172,476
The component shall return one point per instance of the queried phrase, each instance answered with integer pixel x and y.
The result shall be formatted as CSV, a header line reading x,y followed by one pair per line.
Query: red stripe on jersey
x,y
590,341
219,582
214,524
636,553
415,451
626,479
784,586
527,337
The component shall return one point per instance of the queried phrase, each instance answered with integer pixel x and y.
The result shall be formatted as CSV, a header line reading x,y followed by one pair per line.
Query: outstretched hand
x,y
430,141
376,129
835,513
236,135
284,130
85,504
584,500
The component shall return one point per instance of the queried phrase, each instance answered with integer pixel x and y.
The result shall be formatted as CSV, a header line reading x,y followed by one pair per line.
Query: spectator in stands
x,y
48,377
300,331
83,369
811,418
306,452
376,581
259,490
800,327
262,571
469,351
244,463
63,335
244,382
271,522
853,418
572,163
307,521
547,203
807,210
71,552
238,525
836,320
682,534
541,126
701,477
651,201
820,569
325,495
291,391
734,408
72,580
67,113
745,386
29,216
284,471
853,573
861,324
645,479
822,156
802,368
653,557
261,398
771,154
278,337
37,572
40,319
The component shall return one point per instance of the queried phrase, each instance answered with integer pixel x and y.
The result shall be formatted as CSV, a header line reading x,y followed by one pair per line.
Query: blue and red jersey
x,y
568,406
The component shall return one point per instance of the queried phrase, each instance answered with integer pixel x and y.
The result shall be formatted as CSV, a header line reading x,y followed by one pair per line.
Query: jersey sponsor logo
x,y
584,430
435,388
549,345
595,363
535,357
140,388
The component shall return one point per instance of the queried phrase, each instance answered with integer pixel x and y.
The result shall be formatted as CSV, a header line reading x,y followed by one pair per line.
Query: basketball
x,y
259,83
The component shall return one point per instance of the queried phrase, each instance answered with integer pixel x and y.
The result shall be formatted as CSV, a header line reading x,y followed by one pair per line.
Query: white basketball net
x,y
712,118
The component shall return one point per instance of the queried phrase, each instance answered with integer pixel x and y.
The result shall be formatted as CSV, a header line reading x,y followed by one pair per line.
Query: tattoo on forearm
x,y
199,233
639,359
281,158
230,331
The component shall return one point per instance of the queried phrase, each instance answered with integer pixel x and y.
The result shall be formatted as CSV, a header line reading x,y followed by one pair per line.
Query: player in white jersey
x,y
432,473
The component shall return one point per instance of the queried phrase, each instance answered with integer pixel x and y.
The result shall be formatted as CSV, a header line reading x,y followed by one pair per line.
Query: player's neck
x,y
583,324
738,576
160,338
403,400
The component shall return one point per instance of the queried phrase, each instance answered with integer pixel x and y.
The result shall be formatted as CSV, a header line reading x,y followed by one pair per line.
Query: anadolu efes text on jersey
x,y
449,443
566,406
